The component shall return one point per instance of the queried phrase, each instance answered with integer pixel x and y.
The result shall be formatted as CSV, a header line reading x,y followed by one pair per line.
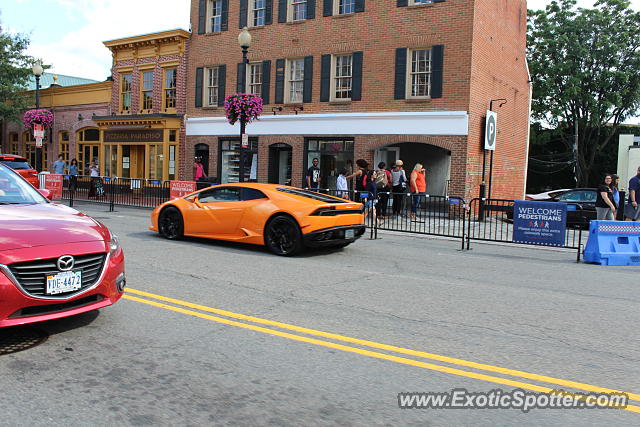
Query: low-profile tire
x,y
170,223
282,236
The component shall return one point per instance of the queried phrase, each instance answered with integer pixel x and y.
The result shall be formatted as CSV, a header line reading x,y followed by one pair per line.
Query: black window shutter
x,y
268,12
356,83
199,72
244,7
222,83
202,16
282,10
402,3
325,77
401,73
311,9
242,68
279,81
327,8
308,79
438,1
359,6
224,25
437,58
266,81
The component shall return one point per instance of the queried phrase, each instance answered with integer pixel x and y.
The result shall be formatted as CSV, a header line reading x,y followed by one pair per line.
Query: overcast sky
x,y
68,34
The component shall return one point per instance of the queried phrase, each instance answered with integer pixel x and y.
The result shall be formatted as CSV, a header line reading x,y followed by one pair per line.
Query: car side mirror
x,y
46,193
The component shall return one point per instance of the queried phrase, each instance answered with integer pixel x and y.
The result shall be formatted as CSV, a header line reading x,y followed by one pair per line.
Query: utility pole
x,y
576,167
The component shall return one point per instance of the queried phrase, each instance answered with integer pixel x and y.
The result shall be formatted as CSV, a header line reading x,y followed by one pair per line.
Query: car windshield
x,y
17,164
15,190
312,195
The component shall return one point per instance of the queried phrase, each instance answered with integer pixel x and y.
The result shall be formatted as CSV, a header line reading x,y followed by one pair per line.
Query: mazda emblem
x,y
65,263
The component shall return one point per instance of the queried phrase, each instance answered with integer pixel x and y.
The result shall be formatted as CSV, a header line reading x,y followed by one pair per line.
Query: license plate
x,y
349,234
66,281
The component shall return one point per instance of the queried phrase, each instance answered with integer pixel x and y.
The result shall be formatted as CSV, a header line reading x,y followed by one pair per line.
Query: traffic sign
x,y
38,141
38,130
490,131
245,140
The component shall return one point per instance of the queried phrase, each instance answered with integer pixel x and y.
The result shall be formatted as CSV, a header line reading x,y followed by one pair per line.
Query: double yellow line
x,y
178,307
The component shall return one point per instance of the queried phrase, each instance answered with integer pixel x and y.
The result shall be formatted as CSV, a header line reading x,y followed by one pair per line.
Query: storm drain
x,y
17,339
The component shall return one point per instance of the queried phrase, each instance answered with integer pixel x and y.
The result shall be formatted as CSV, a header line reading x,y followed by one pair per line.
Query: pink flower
x,y
41,116
245,107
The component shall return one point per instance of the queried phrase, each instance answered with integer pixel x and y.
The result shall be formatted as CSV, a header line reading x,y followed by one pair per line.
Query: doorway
x,y
389,155
280,164
202,151
133,161
88,153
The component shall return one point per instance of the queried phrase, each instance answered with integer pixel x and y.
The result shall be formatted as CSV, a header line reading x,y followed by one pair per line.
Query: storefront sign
x,y
53,183
181,188
134,135
539,223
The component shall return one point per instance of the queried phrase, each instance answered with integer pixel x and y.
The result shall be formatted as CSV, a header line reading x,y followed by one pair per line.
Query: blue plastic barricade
x,y
613,243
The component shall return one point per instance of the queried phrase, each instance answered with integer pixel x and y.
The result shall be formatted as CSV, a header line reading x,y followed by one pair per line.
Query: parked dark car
x,y
581,206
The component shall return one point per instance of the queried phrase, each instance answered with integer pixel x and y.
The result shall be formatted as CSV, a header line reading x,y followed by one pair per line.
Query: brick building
x,y
349,79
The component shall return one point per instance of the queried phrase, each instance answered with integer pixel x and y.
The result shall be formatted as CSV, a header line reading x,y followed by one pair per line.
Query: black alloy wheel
x,y
170,223
283,236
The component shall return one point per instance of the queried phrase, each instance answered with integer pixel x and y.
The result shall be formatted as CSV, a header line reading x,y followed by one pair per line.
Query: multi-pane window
x,y
343,7
297,10
170,88
147,90
421,1
63,140
125,91
215,16
342,77
420,73
295,80
257,12
13,148
213,84
254,78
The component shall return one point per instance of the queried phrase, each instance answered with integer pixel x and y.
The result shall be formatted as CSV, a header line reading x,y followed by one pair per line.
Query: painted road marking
x,y
498,380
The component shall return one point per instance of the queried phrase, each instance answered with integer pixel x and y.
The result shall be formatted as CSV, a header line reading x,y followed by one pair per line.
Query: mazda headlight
x,y
114,244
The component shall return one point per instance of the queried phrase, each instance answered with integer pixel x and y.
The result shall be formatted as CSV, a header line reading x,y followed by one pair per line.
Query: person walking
x,y
94,172
59,165
418,188
631,210
198,170
398,186
313,176
73,174
383,185
605,206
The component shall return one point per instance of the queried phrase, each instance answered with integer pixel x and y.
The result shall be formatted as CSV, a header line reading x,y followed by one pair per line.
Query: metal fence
x,y
448,216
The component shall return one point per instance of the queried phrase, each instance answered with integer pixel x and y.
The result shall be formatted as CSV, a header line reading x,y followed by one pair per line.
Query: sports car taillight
x,y
326,211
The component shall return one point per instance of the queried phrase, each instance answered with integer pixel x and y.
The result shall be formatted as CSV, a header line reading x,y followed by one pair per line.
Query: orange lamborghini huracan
x,y
285,219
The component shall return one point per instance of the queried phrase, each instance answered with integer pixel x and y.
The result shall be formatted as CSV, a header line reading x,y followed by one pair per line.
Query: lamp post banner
x,y
539,223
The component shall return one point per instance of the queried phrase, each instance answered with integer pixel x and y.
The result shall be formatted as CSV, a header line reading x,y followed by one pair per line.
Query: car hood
x,y
27,226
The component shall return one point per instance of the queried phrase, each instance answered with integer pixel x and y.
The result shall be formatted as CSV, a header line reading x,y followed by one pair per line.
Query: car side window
x,y
213,195
570,196
252,194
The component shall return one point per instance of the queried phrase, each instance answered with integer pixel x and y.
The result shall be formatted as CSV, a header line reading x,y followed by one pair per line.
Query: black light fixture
x,y
298,108
80,117
275,109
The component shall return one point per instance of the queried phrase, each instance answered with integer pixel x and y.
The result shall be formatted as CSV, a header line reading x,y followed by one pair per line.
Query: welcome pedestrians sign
x,y
539,223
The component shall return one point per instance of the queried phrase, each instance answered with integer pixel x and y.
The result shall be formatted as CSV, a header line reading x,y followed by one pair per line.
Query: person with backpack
x,y
383,185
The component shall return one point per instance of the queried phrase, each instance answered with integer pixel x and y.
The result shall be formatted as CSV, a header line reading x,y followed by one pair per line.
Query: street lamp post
x,y
37,72
244,40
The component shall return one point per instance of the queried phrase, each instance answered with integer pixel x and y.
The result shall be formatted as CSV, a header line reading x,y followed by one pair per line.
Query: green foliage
x,y
15,69
584,65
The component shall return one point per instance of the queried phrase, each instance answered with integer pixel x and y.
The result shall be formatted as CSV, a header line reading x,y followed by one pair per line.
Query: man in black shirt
x,y
313,176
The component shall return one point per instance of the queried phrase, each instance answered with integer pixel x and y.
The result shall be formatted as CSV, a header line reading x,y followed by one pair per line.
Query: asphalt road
x,y
179,349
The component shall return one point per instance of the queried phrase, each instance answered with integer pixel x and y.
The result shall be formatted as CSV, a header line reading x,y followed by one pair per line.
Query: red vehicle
x,y
22,166
54,261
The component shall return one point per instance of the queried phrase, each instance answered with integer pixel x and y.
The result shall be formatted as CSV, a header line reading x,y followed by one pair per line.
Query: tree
x,y
15,69
584,65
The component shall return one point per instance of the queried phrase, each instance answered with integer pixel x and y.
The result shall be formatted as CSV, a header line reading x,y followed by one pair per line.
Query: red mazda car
x,y
54,261
22,166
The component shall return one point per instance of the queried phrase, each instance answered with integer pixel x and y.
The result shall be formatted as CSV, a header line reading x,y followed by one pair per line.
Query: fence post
x,y
72,189
469,223
464,213
111,202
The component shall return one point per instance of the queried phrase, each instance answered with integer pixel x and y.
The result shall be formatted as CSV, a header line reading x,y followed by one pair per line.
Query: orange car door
x,y
216,211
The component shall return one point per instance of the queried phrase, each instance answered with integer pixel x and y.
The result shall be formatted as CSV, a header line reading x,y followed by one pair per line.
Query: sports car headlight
x,y
114,244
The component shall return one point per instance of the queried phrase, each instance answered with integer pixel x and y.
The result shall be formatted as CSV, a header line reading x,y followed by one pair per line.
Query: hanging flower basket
x,y
41,116
245,107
